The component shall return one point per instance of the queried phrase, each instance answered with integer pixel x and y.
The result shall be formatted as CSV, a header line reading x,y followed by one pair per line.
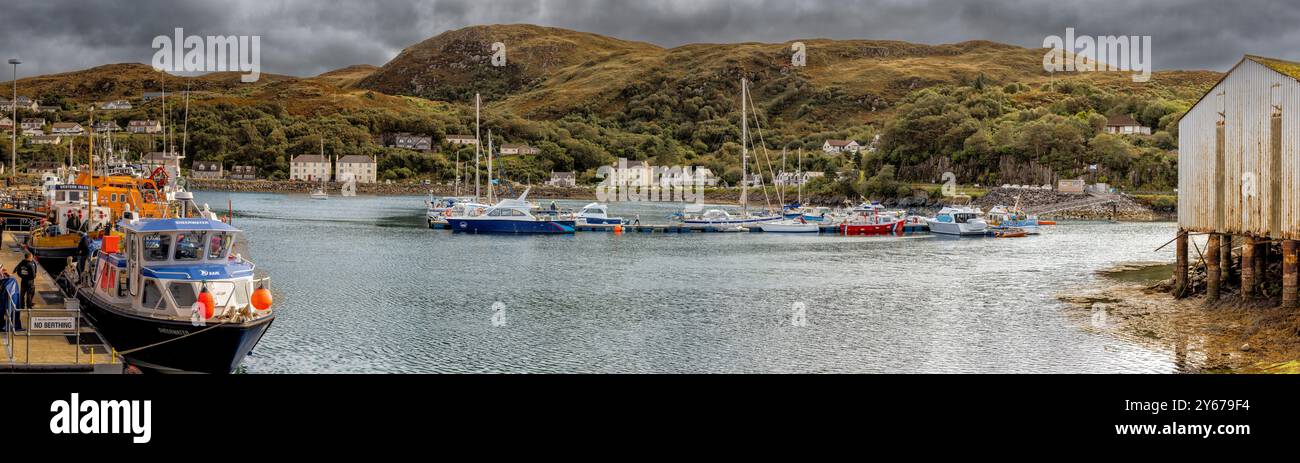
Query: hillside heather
x,y
984,111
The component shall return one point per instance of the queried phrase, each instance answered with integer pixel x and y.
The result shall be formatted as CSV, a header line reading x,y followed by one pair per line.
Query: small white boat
x,y
719,217
597,214
319,194
790,226
959,221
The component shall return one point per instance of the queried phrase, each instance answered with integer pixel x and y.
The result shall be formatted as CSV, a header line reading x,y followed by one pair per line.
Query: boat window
x,y
157,246
152,296
183,294
189,246
218,245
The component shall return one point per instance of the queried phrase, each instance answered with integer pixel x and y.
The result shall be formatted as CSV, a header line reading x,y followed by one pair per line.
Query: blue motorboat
x,y
514,216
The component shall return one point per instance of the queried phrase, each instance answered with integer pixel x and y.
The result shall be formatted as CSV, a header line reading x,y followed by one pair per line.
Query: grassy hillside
x,y
984,110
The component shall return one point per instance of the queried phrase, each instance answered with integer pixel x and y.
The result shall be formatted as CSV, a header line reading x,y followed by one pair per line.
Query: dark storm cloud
x,y
306,37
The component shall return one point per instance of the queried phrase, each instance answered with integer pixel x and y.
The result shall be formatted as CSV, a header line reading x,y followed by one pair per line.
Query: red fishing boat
x,y
869,220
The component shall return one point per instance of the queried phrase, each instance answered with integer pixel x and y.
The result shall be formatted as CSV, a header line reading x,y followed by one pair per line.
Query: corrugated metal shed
x,y
1238,158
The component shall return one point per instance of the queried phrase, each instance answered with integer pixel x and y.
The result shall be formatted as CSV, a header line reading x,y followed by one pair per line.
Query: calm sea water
x,y
362,286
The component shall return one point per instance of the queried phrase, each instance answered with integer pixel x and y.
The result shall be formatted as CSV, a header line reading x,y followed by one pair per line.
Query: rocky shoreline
x,y
1232,335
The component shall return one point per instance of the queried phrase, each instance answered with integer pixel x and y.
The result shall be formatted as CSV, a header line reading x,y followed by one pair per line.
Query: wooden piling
x,y
1180,266
1248,267
1213,273
1225,259
1290,298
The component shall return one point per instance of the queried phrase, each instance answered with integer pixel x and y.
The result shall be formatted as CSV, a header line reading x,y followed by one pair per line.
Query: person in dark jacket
x,y
83,252
26,271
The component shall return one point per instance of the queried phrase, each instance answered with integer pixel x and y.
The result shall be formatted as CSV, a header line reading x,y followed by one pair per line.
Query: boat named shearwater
x,y
172,295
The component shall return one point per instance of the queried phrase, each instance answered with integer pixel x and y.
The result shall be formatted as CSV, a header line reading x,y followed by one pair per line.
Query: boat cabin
x,y
957,215
160,267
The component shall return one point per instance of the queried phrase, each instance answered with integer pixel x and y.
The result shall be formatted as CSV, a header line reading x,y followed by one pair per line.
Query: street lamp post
x,y
13,104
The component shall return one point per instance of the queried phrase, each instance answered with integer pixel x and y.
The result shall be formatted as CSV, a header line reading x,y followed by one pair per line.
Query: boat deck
x,y
77,350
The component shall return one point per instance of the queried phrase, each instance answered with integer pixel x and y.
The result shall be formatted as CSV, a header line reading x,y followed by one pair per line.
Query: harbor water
x,y
362,285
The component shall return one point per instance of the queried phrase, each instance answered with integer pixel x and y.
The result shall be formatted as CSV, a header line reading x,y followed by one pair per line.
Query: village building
x,y
67,128
38,168
206,169
563,179
107,126
145,126
48,109
310,167
33,123
796,178
23,103
45,139
461,140
361,167
409,141
517,149
243,173
115,105
6,123
1124,124
170,162
841,146
633,173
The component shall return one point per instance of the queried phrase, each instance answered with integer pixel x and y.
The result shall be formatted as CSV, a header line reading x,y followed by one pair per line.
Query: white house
x,y
461,140
115,105
841,146
310,167
205,169
107,126
24,103
1125,125
362,167
33,123
6,123
67,128
146,126
565,179
509,149
45,140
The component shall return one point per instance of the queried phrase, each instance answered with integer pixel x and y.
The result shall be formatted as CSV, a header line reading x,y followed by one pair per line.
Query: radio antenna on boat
x,y
477,145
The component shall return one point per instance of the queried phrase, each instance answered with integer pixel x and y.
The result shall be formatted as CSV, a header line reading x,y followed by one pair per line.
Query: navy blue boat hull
x,y
218,350
512,227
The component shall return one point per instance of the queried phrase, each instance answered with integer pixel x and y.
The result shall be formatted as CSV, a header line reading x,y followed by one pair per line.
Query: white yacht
x,y
959,221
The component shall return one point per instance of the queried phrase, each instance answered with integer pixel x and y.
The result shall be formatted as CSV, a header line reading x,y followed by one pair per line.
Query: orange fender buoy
x,y
262,299
209,304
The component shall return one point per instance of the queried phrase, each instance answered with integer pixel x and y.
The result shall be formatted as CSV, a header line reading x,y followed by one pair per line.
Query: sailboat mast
x,y
477,144
744,147
799,175
489,173
90,137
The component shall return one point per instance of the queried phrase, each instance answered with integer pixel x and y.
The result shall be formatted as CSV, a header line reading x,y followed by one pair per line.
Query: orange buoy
x,y
209,304
262,298
618,229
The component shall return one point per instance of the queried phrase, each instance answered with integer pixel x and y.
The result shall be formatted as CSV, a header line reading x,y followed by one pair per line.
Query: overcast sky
x,y
307,37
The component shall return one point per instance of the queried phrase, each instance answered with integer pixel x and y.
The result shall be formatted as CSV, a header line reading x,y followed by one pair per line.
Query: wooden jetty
x,y
61,341
1238,173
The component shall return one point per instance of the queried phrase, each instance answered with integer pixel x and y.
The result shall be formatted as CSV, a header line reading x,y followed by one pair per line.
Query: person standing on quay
x,y
26,271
